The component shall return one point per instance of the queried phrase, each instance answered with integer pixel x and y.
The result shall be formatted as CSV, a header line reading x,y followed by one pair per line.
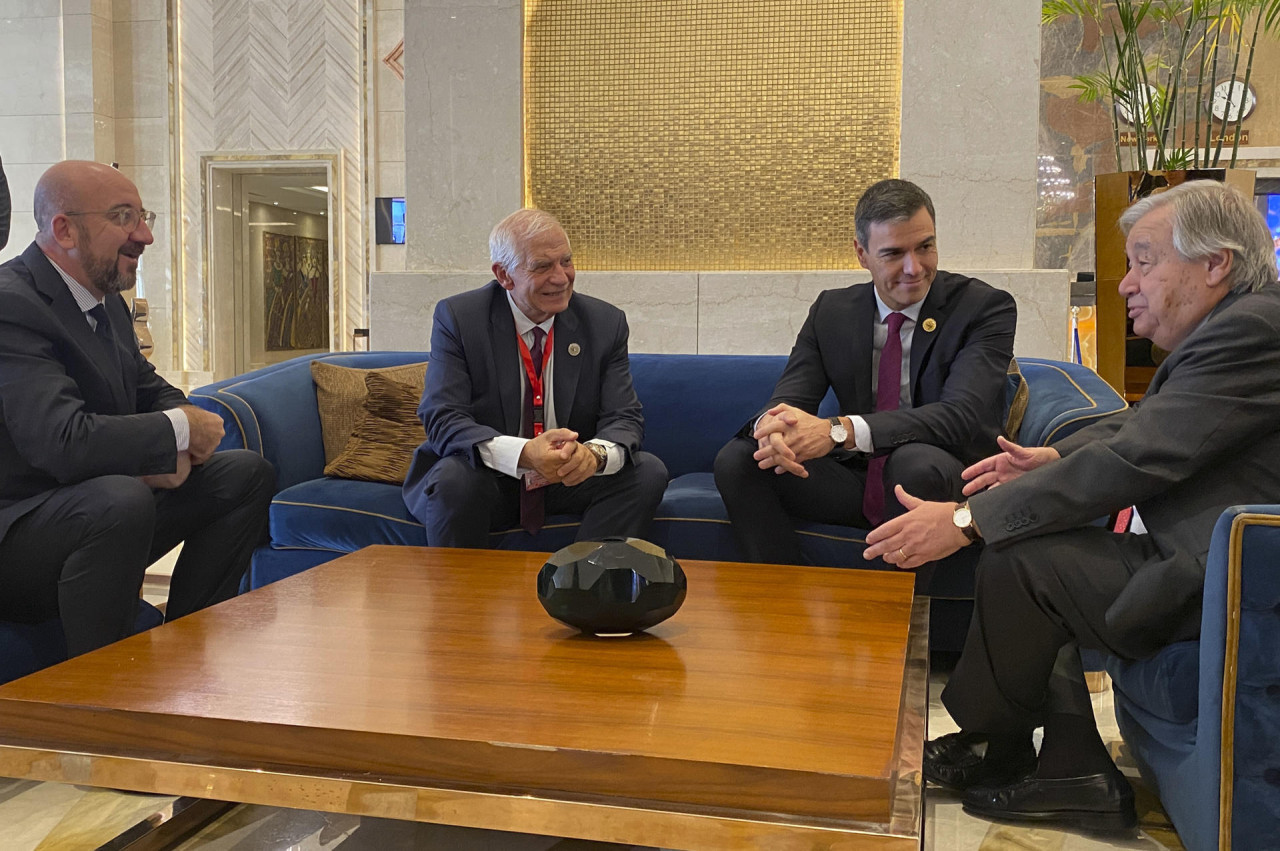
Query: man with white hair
x,y
1202,285
528,404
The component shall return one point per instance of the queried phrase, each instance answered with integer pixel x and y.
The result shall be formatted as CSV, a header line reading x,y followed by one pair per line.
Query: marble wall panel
x,y
1044,309
77,63
744,313
33,42
104,65
101,8
155,281
22,229
138,10
153,184
388,29
30,139
402,305
463,140
13,9
22,179
390,137
141,68
661,307
143,142
970,83
390,178
271,79
389,258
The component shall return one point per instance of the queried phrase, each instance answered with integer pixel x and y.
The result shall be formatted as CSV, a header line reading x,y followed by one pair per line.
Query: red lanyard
x,y
535,381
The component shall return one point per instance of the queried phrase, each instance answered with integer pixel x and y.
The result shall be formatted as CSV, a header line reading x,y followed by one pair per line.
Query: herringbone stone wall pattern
x,y
269,79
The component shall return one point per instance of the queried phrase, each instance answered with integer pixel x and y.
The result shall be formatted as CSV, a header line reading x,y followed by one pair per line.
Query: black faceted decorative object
x,y
612,587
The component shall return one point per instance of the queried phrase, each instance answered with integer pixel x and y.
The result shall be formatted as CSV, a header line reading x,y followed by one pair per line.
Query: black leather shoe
x,y
1094,803
951,762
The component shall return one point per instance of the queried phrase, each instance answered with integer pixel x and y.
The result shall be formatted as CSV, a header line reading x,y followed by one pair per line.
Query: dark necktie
x,y
533,510
105,337
888,397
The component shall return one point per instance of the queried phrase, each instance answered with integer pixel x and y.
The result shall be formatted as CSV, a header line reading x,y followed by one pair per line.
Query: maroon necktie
x,y
533,509
888,396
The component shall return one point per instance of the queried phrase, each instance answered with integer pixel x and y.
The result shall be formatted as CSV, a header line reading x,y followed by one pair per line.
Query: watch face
x,y
962,517
1232,101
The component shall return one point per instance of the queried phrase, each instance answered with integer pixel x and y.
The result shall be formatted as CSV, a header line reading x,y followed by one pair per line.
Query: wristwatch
x,y
963,518
602,455
838,432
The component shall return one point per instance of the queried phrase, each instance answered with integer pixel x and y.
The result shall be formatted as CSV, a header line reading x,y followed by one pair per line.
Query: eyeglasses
x,y
126,217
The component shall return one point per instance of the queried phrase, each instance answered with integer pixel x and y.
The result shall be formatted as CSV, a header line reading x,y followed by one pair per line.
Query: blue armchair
x,y
1202,718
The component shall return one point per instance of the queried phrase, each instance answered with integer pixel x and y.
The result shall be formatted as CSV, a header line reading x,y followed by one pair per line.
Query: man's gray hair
x,y
1209,216
889,201
509,241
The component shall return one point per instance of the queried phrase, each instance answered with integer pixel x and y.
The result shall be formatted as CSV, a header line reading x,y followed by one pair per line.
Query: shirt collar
x,y
911,311
523,323
84,299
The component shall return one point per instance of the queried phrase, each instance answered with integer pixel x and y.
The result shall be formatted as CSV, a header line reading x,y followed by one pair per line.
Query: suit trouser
x,y
81,554
763,505
465,503
1035,603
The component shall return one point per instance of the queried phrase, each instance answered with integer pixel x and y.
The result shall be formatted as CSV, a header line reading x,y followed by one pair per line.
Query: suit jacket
x,y
65,414
6,208
474,383
1207,436
958,369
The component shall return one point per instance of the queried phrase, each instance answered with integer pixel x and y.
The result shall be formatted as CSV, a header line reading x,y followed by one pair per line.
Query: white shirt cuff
x,y
861,434
181,427
502,453
615,456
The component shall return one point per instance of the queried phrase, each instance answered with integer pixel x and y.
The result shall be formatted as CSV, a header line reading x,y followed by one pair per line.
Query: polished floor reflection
x,y
55,817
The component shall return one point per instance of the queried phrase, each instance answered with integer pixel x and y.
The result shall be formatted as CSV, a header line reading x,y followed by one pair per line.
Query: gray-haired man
x,y
1202,285
528,405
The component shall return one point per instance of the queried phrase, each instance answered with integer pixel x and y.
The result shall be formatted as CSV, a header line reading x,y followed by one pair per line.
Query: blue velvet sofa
x,y
693,404
27,647
1202,718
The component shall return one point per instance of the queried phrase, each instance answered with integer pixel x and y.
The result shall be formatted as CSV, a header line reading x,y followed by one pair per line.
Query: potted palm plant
x,y
1171,69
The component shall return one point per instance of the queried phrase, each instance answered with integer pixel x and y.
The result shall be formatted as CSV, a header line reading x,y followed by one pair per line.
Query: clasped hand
x,y
205,430
559,458
788,437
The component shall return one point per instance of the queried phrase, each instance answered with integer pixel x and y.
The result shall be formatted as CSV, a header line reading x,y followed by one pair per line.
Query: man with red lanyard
x,y
528,407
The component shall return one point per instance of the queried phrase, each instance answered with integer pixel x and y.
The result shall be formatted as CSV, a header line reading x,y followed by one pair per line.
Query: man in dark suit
x,y
528,404
917,359
104,466
1202,285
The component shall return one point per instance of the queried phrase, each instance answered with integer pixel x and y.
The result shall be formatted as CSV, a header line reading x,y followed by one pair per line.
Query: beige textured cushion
x,y
385,435
340,391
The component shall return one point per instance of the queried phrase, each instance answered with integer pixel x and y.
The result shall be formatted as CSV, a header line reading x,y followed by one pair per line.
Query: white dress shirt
x,y
502,453
86,301
880,336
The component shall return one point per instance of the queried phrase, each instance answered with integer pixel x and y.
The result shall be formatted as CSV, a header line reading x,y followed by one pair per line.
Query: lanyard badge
x,y
535,379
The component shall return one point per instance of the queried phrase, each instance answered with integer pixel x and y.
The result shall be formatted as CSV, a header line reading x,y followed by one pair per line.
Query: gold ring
x,y
903,554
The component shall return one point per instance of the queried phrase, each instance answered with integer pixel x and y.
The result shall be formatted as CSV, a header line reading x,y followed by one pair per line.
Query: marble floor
x,y
54,817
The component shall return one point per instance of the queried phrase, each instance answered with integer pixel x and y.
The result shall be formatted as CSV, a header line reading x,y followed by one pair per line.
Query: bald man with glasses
x,y
105,466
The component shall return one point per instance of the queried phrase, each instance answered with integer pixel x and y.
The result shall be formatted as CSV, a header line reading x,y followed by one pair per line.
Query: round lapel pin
x,y
574,350
929,325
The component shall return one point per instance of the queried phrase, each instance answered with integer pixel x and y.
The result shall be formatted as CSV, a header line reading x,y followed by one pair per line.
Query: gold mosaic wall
x,y
710,134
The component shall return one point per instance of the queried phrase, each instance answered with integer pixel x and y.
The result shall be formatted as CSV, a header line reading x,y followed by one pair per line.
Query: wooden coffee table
x,y
782,707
